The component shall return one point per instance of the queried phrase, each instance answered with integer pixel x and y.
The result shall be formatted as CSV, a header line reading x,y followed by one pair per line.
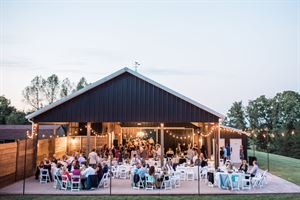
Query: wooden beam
x,y
35,132
217,148
88,138
162,145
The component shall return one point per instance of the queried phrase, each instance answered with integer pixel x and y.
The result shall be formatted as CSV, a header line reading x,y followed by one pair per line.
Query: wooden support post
x,y
209,141
108,135
217,148
162,145
35,132
80,144
88,138
156,136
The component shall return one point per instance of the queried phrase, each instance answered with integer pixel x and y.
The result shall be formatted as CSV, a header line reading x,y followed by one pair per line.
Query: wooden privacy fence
x,y
12,155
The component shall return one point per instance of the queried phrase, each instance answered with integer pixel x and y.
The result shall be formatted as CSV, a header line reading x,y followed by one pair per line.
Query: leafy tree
x,y
33,94
259,113
5,109
82,83
236,116
16,117
51,88
66,88
286,106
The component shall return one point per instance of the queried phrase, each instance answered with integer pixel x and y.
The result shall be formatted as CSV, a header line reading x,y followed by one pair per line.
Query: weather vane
x,y
136,65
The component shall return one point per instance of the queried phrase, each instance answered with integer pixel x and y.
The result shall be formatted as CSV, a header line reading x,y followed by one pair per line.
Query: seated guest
x,y
70,159
254,169
37,171
197,161
54,159
134,160
58,170
71,166
244,166
203,160
89,170
170,153
47,165
151,177
141,171
196,156
76,169
190,154
105,168
81,159
228,166
99,172
66,173
135,169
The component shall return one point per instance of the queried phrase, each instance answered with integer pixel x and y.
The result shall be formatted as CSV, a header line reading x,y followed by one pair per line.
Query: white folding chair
x,y
44,175
104,181
182,173
246,182
203,174
167,183
57,181
122,172
234,182
65,182
141,183
75,183
190,174
150,183
114,171
175,180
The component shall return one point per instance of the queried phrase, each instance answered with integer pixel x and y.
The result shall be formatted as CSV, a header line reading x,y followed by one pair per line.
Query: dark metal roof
x,y
126,96
18,132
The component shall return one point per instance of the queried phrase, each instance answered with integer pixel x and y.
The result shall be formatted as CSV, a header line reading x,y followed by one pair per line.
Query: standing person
x,y
228,151
190,154
221,153
225,154
242,156
203,150
93,158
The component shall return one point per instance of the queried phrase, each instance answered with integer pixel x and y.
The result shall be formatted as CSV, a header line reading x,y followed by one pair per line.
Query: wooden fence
x,y
12,155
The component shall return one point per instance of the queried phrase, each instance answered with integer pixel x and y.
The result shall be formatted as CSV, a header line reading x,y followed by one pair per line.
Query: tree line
x,y
40,92
274,123
44,91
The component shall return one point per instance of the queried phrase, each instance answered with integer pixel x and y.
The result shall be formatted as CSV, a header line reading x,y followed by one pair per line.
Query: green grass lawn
x,y
282,166
216,197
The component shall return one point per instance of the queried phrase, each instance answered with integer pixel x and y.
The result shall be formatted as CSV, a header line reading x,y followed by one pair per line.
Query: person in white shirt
x,y
195,157
93,158
81,159
88,171
134,160
190,153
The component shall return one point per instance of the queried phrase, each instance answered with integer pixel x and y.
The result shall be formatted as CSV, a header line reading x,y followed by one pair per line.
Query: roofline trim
x,y
111,76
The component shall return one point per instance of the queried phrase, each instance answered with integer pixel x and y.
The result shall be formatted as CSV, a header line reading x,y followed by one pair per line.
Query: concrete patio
x,y
122,187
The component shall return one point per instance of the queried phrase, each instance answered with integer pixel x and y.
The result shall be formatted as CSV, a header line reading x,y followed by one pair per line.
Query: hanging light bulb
x,y
293,132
